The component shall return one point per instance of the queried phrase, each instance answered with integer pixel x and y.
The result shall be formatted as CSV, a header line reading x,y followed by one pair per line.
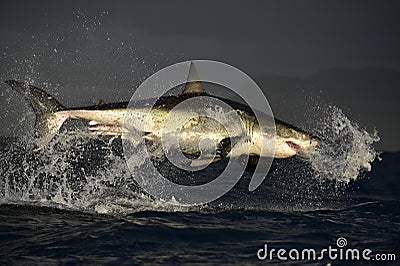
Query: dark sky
x,y
343,52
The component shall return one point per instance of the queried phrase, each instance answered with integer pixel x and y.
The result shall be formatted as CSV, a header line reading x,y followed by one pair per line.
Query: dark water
x,y
288,211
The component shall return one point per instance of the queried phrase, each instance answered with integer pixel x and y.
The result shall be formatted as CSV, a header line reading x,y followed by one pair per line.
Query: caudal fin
x,y
48,122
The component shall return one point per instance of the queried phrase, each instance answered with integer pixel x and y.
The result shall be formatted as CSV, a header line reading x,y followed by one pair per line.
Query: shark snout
x,y
305,148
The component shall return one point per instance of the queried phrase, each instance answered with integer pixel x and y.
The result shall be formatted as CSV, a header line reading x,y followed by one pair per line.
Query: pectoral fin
x,y
252,163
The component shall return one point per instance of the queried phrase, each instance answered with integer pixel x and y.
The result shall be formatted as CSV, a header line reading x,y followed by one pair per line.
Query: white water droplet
x,y
346,149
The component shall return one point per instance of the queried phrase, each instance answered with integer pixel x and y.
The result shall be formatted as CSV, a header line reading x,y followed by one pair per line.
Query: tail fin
x,y
48,122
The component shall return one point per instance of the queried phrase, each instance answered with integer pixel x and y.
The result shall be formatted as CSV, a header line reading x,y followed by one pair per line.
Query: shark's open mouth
x,y
293,145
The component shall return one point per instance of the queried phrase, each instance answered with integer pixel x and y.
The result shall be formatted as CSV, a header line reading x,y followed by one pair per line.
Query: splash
x,y
76,172
345,149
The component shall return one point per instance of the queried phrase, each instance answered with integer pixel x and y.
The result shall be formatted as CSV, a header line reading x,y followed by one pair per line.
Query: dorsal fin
x,y
193,84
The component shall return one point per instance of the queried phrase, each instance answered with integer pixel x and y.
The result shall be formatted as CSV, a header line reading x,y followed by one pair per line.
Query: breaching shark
x,y
108,119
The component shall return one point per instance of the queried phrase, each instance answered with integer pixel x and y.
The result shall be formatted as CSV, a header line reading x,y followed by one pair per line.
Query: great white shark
x,y
108,119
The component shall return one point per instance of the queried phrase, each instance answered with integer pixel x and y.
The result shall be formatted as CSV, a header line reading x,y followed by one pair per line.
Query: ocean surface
x,y
78,205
